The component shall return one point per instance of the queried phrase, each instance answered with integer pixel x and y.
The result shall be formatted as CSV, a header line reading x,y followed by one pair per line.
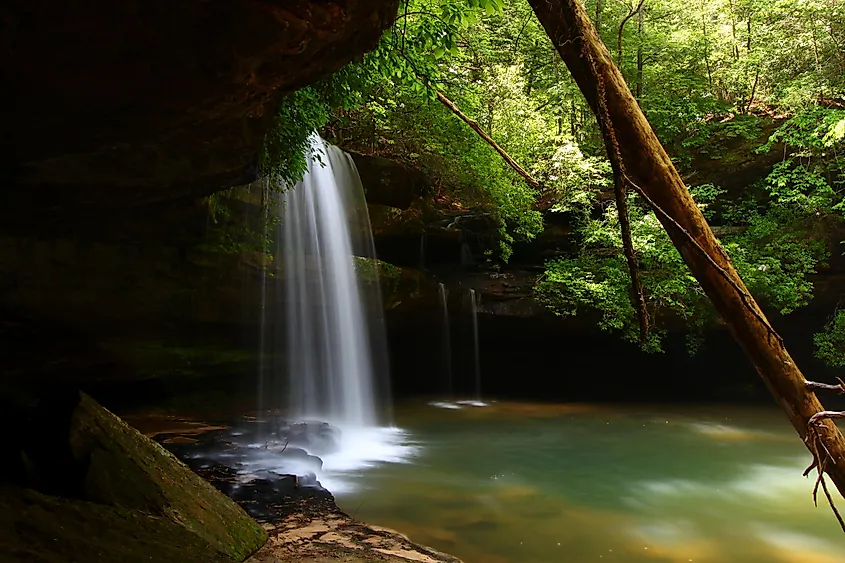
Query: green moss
x,y
129,471
37,527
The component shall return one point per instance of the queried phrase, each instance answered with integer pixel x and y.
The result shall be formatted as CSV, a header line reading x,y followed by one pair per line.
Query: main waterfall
x,y
332,330
323,360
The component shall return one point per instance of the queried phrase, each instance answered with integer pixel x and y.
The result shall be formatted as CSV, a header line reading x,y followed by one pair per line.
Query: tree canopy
x,y
721,82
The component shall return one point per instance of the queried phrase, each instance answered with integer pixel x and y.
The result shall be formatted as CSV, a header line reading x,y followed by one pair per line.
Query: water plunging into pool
x,y
328,338
447,342
324,393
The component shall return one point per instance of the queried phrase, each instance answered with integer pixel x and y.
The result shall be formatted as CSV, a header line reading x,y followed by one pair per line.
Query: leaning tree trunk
x,y
648,169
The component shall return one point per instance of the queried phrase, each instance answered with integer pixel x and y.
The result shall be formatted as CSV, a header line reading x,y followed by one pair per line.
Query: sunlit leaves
x,y
773,254
830,343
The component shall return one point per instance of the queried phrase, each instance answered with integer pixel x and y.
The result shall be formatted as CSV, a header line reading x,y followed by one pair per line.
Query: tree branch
x,y
475,127
630,15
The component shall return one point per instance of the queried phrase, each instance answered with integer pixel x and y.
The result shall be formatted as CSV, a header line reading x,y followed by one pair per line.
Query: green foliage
x,y
775,255
811,177
577,179
598,279
705,195
233,233
710,76
299,115
772,253
830,343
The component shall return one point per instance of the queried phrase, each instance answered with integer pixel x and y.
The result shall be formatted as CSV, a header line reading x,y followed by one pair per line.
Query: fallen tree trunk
x,y
648,169
475,127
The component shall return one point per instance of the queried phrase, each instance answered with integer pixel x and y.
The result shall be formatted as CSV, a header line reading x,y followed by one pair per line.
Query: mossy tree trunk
x,y
647,168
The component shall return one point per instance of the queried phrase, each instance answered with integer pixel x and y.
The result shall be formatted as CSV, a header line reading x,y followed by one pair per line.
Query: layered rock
x,y
108,108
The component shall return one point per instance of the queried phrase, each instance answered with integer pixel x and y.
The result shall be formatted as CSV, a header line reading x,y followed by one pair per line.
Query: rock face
x,y
111,107
390,183
103,492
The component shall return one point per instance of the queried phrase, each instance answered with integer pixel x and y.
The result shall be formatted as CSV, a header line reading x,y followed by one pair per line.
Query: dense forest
x,y
714,78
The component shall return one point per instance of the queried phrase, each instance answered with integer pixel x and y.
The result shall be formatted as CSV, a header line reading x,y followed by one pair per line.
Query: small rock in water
x,y
307,480
316,437
292,453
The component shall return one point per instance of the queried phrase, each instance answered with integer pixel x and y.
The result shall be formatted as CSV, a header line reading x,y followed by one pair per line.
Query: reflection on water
x,y
514,483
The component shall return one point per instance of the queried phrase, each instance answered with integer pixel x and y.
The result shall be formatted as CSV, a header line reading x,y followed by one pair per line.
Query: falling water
x,y
262,334
447,341
322,345
477,364
329,347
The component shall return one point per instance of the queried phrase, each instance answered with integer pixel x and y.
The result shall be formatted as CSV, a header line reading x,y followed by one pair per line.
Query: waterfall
x,y
477,364
323,351
447,341
330,339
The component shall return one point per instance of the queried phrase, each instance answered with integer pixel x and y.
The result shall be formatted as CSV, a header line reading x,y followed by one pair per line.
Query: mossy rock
x,y
102,492
38,528
131,471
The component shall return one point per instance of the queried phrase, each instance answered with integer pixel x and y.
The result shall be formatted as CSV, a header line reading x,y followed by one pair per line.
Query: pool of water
x,y
524,483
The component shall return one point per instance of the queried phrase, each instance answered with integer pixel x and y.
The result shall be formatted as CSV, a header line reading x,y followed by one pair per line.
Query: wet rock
x,y
391,183
317,437
126,499
300,456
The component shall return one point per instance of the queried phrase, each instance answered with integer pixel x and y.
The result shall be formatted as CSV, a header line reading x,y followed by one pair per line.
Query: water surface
x,y
517,483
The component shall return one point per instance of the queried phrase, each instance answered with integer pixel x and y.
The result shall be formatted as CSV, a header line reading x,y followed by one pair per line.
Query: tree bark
x,y
598,18
753,91
651,172
640,21
475,127
621,29
733,31
706,47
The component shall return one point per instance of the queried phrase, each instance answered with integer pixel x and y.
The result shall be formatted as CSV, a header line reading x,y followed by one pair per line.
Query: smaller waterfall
x,y
471,363
447,342
262,335
477,364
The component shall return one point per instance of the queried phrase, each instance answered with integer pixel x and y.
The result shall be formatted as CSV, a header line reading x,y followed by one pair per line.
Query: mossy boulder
x,y
119,496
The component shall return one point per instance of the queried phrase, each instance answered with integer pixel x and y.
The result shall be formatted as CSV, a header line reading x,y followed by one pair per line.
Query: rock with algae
x,y
134,501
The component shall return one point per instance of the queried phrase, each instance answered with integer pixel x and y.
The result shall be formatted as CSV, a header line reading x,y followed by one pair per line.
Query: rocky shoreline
x,y
78,483
303,521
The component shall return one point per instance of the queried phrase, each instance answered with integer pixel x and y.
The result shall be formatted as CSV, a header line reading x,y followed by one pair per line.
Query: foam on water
x,y
363,449
359,449
757,483
473,403
444,405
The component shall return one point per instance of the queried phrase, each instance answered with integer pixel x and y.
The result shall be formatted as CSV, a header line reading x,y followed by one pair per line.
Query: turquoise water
x,y
522,483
